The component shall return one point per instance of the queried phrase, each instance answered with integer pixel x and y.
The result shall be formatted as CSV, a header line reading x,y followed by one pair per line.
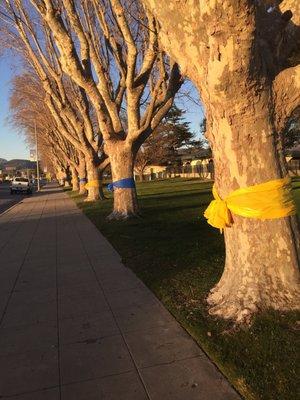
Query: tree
x,y
30,113
23,32
110,50
161,148
244,56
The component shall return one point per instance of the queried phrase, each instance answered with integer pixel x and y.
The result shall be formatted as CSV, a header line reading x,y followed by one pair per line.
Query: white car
x,y
21,185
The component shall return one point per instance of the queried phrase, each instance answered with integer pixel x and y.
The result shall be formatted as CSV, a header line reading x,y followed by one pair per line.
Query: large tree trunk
x,y
67,182
94,180
122,162
261,267
222,48
75,182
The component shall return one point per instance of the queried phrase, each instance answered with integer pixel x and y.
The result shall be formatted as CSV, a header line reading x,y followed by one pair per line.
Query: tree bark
x,y
121,158
93,178
261,268
67,182
75,182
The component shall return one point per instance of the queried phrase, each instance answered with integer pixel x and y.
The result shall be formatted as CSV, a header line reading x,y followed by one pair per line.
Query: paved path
x,y
78,325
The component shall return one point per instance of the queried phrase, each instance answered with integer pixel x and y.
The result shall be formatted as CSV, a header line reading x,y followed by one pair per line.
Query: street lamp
x,y
37,158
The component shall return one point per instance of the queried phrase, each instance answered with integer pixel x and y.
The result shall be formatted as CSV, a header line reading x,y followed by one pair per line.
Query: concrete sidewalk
x,y
78,325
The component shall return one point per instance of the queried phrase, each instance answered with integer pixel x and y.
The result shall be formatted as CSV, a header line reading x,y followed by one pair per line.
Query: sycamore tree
x,y
29,113
22,31
244,58
28,110
51,162
111,51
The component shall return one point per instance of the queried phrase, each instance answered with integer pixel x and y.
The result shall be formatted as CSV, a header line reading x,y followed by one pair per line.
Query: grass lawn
x,y
180,257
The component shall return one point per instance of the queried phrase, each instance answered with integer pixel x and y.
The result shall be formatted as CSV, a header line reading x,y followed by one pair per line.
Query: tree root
x,y
122,216
88,199
98,198
241,306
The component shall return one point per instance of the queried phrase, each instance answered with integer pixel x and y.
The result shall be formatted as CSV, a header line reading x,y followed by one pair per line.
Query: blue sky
x,y
12,144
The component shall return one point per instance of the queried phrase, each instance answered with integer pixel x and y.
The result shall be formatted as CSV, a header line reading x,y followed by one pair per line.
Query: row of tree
x,y
96,82
30,115
107,72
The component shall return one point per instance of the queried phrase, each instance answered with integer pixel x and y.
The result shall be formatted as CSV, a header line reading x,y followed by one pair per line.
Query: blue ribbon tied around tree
x,y
82,180
126,183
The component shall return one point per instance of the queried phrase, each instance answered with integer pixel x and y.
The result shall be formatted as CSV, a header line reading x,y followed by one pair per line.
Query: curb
x,y
19,202
10,208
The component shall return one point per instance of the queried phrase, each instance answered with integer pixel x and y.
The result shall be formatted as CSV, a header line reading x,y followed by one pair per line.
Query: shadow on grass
x,y
175,252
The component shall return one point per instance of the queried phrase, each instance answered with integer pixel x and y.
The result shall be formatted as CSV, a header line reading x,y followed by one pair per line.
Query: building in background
x,y
17,167
292,157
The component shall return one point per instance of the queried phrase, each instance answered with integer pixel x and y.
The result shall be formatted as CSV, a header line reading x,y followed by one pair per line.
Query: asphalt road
x,y
6,199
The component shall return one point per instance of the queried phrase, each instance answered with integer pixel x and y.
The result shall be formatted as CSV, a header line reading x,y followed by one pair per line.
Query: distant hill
x,y
2,161
18,164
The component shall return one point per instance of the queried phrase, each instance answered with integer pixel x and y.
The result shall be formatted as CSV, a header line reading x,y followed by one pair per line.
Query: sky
x,y
12,144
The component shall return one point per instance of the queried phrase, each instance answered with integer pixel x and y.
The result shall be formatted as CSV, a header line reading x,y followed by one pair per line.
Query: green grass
x,y
180,257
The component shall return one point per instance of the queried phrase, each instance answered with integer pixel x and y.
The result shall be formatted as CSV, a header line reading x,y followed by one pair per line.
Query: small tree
x,y
161,148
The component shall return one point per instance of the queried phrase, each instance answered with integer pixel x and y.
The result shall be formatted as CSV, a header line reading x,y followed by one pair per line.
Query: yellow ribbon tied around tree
x,y
268,200
91,184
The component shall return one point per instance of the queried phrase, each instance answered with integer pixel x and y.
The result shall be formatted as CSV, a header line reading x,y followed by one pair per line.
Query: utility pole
x,y
37,158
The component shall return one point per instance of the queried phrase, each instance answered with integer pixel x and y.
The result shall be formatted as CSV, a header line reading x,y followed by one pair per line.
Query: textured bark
x,y
92,176
68,179
261,268
233,52
122,161
82,189
75,181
